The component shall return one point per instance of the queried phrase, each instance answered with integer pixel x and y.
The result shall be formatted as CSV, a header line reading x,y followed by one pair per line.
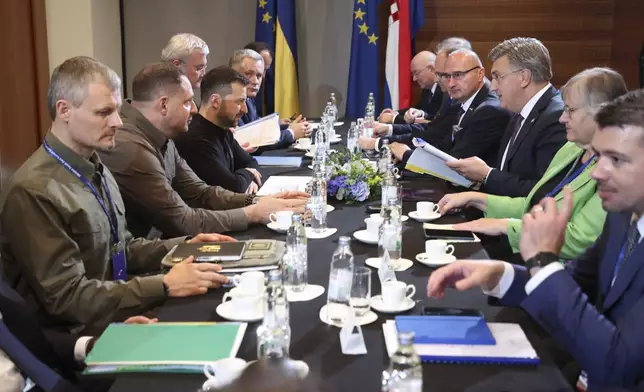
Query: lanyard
x,y
118,259
569,178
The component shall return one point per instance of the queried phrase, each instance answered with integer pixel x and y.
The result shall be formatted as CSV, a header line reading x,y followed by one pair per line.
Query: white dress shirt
x,y
508,274
390,127
466,105
10,378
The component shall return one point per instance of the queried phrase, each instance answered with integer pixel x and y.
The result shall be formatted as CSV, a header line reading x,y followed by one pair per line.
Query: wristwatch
x,y
541,260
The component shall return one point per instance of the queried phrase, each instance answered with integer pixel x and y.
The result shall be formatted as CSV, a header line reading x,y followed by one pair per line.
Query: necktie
x,y
632,239
456,127
31,366
515,126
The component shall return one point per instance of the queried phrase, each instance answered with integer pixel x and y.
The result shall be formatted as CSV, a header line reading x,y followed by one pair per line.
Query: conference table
x,y
318,344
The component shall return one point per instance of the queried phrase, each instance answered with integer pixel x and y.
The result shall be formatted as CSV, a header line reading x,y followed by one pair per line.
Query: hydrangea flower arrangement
x,y
352,179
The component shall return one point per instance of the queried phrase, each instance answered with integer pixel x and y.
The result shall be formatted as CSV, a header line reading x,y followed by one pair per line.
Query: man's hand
x,y
211,237
291,195
487,226
256,174
300,127
412,114
261,211
140,320
544,227
387,116
464,275
187,278
473,168
453,201
398,150
367,143
247,148
252,188
285,121
380,129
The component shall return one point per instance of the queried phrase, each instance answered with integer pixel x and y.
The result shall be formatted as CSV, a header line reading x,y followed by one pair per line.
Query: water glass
x,y
360,290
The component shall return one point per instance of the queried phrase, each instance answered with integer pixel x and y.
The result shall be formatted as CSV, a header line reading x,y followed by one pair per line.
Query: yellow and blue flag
x,y
363,68
275,25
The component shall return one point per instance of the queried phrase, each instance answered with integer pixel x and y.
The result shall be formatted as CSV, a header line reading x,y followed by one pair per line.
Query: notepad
x,y
262,132
512,347
276,184
168,347
279,161
447,329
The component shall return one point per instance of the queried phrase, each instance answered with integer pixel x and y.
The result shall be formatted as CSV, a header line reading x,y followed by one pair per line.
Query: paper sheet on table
x,y
262,132
437,226
427,159
512,347
276,184
279,161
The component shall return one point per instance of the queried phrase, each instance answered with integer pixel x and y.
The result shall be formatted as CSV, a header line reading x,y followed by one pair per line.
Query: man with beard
x,y
163,196
209,146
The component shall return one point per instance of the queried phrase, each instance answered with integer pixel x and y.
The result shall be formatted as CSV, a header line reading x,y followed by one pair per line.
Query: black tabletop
x,y
318,344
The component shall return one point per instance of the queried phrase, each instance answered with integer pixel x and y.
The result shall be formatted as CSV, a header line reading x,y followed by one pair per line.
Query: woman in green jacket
x,y
571,167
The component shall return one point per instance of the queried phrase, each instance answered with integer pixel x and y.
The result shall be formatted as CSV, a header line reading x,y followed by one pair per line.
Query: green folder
x,y
164,347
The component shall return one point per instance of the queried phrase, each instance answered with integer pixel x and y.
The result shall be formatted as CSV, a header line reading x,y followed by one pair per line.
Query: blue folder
x,y
279,161
446,329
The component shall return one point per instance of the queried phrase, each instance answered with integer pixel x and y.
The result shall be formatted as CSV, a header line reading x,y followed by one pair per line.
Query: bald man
x,y
480,123
422,72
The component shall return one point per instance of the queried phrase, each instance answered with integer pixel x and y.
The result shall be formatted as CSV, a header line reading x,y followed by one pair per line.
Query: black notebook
x,y
210,252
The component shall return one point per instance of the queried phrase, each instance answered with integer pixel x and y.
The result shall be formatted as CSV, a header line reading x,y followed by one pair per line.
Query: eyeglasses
x,y
458,75
420,71
569,110
496,77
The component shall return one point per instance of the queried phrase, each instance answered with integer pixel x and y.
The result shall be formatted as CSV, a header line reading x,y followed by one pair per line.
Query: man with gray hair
x,y
521,73
190,54
251,64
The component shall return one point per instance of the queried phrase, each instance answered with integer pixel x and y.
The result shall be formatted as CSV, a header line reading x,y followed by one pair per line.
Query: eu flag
x,y
275,25
363,68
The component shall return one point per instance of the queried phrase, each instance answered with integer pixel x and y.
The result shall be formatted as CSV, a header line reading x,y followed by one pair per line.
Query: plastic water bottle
x,y
385,155
321,147
369,116
295,266
390,234
317,202
334,107
340,281
405,373
274,334
352,138
388,186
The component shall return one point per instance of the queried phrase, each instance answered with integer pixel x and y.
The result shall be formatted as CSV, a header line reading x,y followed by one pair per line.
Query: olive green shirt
x,y
56,244
163,196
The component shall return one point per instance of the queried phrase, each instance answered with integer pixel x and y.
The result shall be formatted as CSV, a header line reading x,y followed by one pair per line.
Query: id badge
x,y
119,263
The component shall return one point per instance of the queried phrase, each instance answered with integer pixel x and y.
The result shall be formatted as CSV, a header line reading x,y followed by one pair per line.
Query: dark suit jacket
x,y
537,143
427,102
599,324
286,137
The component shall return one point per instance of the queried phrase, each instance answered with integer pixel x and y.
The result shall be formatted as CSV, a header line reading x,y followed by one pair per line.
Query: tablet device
x,y
436,234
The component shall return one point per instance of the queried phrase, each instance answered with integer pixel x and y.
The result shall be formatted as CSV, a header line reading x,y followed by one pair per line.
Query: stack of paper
x,y
427,159
276,184
262,132
164,347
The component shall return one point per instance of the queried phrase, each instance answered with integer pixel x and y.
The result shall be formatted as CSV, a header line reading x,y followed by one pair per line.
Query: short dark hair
x,y
154,80
259,47
219,80
623,111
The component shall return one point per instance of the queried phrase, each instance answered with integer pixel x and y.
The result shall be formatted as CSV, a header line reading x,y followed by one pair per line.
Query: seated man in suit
x,y
521,73
65,245
163,196
190,54
423,74
251,64
592,306
480,123
209,146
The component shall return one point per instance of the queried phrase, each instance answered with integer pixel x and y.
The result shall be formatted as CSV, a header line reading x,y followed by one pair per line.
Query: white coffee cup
x,y
246,303
394,292
426,208
438,248
222,372
281,218
250,282
304,142
373,225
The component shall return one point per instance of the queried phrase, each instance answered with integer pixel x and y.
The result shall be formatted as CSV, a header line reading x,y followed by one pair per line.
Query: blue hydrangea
x,y
335,184
359,190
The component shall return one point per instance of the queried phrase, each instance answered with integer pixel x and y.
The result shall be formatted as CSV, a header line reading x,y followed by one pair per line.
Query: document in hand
x,y
427,159
262,132
276,184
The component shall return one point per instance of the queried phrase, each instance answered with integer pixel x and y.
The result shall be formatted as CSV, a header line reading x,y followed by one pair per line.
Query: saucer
x,y
309,154
378,305
403,264
414,215
227,311
363,236
329,208
423,258
300,367
226,371
368,318
273,226
298,147
336,140
403,218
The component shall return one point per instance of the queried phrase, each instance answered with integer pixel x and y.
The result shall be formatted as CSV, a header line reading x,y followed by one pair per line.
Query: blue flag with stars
x,y
363,68
265,28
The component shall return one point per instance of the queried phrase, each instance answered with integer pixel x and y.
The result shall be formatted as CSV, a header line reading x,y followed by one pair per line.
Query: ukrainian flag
x,y
275,23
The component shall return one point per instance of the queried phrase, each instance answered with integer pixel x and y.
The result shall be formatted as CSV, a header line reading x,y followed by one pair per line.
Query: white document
x,y
385,273
276,184
262,132
427,159
511,342
351,338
